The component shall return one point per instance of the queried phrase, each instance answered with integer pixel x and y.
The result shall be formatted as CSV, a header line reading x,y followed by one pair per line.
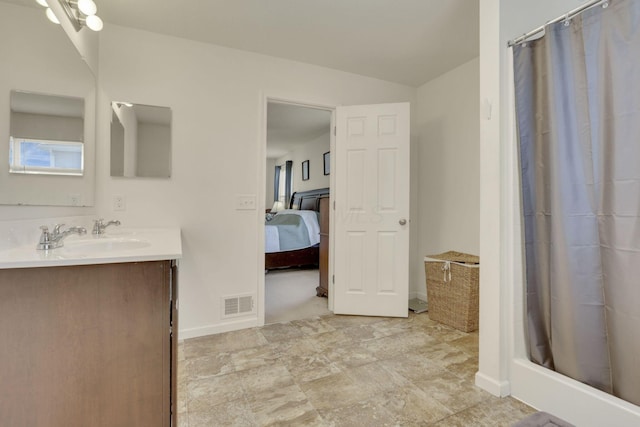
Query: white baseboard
x,y
235,325
418,294
497,388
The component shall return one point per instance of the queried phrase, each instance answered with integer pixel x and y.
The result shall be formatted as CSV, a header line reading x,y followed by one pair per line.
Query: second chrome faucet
x,y
99,225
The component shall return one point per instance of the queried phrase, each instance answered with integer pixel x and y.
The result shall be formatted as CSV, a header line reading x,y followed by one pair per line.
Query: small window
x,y
39,156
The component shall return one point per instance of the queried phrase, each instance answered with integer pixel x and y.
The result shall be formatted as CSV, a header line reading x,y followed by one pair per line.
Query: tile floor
x,y
338,371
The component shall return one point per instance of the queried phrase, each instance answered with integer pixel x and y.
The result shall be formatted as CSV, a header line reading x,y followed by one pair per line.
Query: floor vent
x,y
237,305
417,305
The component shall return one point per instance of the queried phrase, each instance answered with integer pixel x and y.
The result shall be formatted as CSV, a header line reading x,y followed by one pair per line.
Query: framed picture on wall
x,y
327,163
305,170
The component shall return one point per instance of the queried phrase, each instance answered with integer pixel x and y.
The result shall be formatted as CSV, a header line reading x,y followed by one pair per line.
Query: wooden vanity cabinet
x,y
88,345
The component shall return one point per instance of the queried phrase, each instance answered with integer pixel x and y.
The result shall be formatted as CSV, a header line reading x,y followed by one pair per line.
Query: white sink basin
x,y
104,245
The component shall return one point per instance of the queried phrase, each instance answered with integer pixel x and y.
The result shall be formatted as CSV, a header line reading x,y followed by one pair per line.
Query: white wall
x,y
504,367
448,167
270,176
217,96
312,151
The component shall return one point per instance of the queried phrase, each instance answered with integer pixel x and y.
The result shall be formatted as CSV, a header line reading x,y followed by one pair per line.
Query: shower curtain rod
x,y
566,16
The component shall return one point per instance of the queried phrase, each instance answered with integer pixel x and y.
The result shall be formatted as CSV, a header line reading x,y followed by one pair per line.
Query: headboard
x,y
308,200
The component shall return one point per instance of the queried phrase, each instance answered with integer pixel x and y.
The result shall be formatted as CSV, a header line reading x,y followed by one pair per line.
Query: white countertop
x,y
116,245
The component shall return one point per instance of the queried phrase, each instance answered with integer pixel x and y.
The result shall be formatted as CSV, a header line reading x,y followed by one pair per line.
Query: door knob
x,y
402,221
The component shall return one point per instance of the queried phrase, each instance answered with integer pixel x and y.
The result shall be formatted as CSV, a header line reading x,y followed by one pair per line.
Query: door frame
x,y
265,98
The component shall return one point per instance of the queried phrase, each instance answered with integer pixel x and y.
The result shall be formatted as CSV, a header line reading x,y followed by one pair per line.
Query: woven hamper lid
x,y
457,257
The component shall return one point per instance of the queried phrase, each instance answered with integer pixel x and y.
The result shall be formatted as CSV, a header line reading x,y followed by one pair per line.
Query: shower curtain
x,y
578,114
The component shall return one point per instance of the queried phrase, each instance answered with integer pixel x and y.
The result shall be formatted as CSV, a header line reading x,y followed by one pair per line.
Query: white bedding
x,y
272,236
271,239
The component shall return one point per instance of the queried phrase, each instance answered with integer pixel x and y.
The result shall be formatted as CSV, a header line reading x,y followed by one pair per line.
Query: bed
x,y
300,201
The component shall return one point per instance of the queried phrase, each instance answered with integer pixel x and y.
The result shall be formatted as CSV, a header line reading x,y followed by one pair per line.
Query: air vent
x,y
237,305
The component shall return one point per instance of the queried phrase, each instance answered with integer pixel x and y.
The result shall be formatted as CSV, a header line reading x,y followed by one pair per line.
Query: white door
x,y
371,243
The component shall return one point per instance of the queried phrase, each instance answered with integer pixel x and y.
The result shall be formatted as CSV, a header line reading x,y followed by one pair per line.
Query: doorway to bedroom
x,y
297,179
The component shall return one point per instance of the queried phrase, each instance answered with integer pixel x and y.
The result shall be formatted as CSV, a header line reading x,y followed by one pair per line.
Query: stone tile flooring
x,y
338,371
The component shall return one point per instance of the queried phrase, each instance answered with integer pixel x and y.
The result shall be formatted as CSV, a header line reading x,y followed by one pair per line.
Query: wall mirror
x,y
47,106
46,134
140,140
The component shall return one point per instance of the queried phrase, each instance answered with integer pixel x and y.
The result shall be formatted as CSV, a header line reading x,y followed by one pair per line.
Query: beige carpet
x,y
291,295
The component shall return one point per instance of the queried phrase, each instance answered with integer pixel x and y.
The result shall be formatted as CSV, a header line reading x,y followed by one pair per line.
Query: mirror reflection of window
x,y
140,140
47,157
46,134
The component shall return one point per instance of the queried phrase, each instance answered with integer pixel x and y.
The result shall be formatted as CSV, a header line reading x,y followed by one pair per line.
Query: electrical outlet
x,y
119,203
75,199
245,202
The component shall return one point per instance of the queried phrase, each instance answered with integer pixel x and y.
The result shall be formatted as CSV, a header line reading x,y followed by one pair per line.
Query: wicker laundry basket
x,y
452,289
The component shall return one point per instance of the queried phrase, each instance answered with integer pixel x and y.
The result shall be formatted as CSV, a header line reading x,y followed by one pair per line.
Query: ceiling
x,y
404,41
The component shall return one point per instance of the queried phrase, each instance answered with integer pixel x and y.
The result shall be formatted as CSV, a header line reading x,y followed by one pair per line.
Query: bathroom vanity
x,y
89,331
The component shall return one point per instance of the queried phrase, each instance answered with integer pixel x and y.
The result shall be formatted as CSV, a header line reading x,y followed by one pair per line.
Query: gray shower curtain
x,y
578,115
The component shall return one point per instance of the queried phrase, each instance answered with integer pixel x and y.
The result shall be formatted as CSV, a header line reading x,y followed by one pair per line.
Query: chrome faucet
x,y
99,225
54,239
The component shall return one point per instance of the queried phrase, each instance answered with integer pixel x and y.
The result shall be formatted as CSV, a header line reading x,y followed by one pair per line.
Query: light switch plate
x,y
245,202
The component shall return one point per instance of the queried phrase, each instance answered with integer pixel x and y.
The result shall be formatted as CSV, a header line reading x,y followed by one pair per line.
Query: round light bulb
x,y
52,17
42,3
88,7
94,23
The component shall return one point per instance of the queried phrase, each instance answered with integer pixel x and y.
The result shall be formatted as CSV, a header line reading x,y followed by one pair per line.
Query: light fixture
x,y
52,17
82,13
88,7
94,22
